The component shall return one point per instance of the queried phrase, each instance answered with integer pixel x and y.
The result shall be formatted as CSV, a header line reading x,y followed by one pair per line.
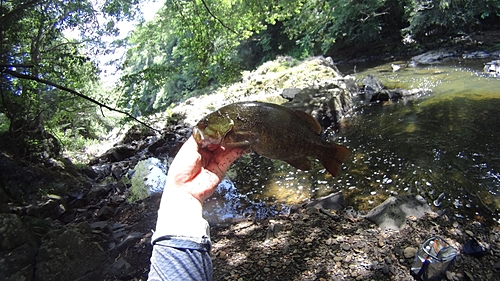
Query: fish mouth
x,y
205,141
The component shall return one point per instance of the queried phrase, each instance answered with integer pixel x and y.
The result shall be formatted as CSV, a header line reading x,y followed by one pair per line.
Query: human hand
x,y
198,171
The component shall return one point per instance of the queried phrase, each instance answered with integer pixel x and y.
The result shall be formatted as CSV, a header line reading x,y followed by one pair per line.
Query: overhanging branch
x,y
100,104
217,19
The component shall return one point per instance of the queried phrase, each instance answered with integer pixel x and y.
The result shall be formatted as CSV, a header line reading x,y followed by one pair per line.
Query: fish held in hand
x,y
273,131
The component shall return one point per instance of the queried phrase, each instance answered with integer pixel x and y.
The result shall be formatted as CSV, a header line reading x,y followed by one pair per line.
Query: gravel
x,y
313,246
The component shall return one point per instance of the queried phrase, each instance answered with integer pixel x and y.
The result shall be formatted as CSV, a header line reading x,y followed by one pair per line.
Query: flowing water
x,y
447,142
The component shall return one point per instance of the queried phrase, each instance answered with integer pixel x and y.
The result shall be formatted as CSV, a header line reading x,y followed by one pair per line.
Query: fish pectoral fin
x,y
302,163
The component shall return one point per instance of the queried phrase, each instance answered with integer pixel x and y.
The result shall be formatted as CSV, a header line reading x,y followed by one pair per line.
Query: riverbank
x,y
111,236
316,246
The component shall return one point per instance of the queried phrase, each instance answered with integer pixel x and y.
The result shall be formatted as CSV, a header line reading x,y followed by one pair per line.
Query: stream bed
x,y
447,142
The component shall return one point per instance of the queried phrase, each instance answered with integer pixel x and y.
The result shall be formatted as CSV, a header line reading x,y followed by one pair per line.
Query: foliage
x,y
429,20
34,49
190,44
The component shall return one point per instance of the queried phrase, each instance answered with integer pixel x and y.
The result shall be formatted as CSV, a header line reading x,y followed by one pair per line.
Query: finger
x,y
187,163
225,159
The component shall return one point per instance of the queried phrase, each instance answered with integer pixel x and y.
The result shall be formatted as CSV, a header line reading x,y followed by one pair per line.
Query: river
x,y
446,142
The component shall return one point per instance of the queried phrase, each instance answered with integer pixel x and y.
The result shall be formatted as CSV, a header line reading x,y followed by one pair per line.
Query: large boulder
x,y
327,105
67,254
314,85
17,249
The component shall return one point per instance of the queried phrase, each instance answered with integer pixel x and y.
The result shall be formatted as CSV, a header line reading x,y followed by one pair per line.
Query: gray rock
x,y
99,190
372,83
476,55
334,201
374,90
119,153
327,105
122,269
129,240
410,252
433,57
492,67
396,94
13,233
50,208
99,225
290,93
392,213
273,230
18,264
66,254
106,212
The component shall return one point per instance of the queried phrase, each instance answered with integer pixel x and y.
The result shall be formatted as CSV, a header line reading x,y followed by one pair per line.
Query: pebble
x,y
410,252
346,247
497,265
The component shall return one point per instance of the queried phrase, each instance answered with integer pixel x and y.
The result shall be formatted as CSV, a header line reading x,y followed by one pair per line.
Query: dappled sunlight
x,y
442,143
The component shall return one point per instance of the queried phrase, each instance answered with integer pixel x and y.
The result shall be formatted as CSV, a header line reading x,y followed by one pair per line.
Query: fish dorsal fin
x,y
309,120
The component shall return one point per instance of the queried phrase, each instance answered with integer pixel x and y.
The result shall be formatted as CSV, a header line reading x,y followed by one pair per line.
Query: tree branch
x,y
63,44
17,65
217,19
101,105
18,10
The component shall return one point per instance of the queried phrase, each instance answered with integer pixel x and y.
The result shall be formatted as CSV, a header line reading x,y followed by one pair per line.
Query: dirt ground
x,y
314,245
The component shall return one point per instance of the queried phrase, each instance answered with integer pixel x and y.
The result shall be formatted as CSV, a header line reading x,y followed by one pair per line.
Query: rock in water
x,y
334,201
392,213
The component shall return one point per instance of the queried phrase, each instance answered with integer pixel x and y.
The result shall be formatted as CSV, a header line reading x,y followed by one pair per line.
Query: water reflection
x,y
447,142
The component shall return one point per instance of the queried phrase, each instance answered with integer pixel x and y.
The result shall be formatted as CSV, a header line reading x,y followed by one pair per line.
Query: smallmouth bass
x,y
273,131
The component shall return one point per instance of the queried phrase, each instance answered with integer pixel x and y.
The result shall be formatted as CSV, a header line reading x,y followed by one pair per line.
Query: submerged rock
x,y
334,201
374,91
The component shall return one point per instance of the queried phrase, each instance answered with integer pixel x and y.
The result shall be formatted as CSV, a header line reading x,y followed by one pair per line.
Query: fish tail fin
x,y
334,158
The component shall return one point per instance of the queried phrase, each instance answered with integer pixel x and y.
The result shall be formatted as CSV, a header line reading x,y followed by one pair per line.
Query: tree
x,y
38,62
191,44
431,20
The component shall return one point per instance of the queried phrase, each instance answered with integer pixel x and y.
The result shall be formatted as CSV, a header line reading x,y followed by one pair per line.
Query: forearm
x,y
180,215
181,242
